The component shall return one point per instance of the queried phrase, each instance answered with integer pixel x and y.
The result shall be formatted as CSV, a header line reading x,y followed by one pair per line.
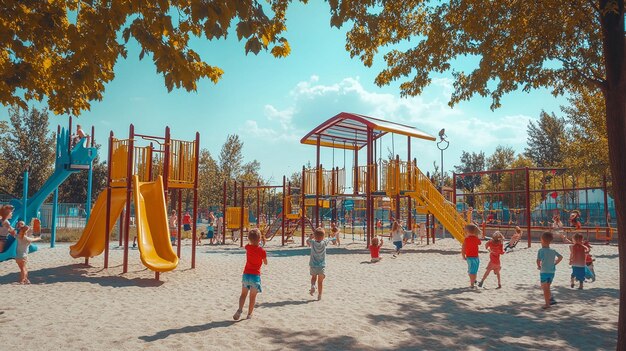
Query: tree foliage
x,y
209,181
470,162
65,51
586,150
502,158
550,44
546,141
26,142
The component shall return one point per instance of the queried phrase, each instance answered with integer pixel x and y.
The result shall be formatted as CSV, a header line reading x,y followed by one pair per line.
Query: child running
x,y
317,262
251,279
397,237
577,260
495,251
375,249
21,255
469,252
547,259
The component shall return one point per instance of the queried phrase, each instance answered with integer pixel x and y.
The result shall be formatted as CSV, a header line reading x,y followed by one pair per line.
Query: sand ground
x,y
418,301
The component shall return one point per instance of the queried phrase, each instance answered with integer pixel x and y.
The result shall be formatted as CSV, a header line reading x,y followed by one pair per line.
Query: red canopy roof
x,y
349,131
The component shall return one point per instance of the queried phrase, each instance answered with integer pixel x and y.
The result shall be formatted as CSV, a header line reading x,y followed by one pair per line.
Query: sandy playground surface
x,y
418,301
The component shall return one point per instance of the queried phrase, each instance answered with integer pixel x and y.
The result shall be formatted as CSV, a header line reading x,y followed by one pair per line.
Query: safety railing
x,y
328,181
360,178
398,177
182,163
119,162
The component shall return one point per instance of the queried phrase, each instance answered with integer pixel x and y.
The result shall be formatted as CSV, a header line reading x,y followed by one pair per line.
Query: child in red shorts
x,y
495,251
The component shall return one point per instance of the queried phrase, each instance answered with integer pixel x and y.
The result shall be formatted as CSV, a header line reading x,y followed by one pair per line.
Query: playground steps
x,y
427,195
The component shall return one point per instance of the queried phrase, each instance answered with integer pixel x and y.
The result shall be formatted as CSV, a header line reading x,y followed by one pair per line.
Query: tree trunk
x,y
615,98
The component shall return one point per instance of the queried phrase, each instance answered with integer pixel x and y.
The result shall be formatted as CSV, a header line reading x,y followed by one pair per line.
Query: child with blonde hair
x,y
21,255
251,279
317,261
547,259
578,253
494,246
514,240
469,252
375,249
397,237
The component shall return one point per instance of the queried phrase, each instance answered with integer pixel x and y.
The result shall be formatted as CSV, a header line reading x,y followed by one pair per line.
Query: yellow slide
x,y
427,195
153,233
92,241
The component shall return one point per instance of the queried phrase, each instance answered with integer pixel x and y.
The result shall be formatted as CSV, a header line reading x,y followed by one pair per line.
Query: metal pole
x,y
303,207
241,215
409,221
195,202
179,222
258,206
166,162
528,217
427,228
283,212
368,189
25,195
318,178
224,200
107,225
53,229
355,190
606,205
89,186
129,175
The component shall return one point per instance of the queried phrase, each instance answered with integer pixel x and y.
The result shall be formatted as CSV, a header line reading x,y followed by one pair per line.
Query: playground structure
x,y
146,174
409,191
530,197
69,158
287,219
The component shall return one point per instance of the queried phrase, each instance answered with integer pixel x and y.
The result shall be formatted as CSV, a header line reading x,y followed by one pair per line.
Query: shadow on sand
x,y
186,330
79,273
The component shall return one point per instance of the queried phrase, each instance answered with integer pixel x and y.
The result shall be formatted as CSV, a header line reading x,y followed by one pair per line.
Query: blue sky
x,y
271,103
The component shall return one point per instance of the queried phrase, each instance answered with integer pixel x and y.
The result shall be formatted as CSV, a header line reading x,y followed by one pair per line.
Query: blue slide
x,y
66,163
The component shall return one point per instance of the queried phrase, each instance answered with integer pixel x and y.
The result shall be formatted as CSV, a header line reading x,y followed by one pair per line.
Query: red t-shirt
x,y
471,246
577,255
375,251
186,219
254,259
495,252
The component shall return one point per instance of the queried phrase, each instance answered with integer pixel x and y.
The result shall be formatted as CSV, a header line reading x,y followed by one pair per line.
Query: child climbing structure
x,y
146,175
394,179
72,155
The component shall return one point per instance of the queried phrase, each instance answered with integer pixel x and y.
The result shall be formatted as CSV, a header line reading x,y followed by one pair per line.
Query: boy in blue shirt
x,y
547,259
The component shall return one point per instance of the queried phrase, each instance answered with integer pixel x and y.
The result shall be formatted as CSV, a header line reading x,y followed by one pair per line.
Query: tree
x,y
585,151
26,142
231,158
209,185
48,47
552,44
546,141
502,158
470,162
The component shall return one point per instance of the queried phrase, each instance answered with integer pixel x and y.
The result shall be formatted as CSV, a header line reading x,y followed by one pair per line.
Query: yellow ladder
x,y
426,194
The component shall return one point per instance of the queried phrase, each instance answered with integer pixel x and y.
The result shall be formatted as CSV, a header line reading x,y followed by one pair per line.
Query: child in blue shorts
x,y
251,279
469,252
547,259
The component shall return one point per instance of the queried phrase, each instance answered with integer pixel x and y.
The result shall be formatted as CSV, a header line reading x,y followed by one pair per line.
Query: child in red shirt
x,y
470,252
495,250
577,260
375,249
251,280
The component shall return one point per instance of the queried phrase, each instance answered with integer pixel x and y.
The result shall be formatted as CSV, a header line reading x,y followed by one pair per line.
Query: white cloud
x,y
311,102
